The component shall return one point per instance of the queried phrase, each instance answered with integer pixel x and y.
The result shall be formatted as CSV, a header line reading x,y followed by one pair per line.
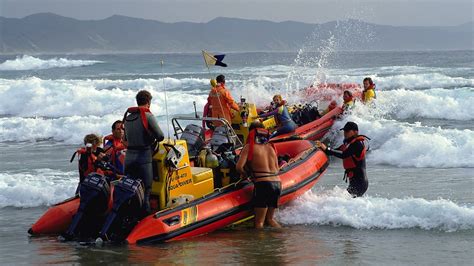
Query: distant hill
x,y
51,33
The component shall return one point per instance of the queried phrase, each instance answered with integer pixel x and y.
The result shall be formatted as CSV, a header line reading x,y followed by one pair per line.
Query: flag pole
x,y
166,100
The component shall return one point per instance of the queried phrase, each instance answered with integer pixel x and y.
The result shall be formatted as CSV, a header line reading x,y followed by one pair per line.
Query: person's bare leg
x,y
260,214
269,218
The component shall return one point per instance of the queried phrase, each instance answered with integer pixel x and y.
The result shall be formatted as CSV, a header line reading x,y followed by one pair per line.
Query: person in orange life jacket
x,y
348,101
141,132
369,91
259,160
220,101
115,146
352,153
282,116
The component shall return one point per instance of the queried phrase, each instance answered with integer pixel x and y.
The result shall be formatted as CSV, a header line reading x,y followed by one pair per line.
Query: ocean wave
x,y
56,98
410,144
337,208
36,188
27,62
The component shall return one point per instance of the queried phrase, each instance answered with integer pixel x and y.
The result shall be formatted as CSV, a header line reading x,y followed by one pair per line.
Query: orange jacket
x,y
221,102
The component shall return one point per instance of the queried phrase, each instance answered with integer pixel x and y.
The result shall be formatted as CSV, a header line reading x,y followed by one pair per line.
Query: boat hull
x,y
231,204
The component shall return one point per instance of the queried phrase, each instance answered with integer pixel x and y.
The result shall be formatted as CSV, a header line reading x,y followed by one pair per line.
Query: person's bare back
x,y
264,163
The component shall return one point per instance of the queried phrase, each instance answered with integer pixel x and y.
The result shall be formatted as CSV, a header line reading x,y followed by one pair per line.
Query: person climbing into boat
x,y
331,106
115,146
259,160
352,152
220,101
369,91
348,101
141,132
282,116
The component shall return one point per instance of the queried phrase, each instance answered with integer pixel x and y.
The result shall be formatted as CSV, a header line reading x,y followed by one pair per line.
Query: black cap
x,y
220,79
350,126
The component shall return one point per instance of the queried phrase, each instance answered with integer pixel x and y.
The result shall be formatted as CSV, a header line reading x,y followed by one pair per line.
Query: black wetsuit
x,y
357,176
138,159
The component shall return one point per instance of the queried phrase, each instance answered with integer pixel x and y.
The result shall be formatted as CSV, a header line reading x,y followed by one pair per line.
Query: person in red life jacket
x,y
348,101
115,146
259,160
352,153
221,102
369,91
88,157
141,132
282,116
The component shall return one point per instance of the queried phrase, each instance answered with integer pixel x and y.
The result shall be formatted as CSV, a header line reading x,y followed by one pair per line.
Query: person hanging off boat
x,y
220,102
368,95
141,132
332,105
352,153
282,116
259,160
348,101
115,146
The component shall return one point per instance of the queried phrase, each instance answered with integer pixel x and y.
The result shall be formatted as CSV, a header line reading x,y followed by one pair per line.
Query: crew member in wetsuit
x,y
141,131
259,160
352,153
282,117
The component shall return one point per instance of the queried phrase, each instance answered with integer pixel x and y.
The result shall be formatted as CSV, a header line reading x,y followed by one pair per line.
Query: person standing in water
x,y
141,132
352,153
260,159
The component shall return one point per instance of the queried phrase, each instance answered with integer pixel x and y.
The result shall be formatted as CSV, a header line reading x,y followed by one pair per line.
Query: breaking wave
x,y
337,208
27,62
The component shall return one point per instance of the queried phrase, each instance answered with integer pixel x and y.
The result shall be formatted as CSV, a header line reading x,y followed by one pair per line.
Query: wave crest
x,y
27,62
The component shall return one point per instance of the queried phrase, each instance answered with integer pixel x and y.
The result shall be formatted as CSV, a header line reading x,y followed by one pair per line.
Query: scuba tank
x,y
211,159
244,114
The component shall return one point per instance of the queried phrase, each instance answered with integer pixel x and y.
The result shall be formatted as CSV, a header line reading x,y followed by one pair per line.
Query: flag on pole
x,y
213,60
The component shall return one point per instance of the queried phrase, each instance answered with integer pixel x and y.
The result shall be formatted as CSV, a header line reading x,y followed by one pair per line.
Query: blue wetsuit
x,y
286,124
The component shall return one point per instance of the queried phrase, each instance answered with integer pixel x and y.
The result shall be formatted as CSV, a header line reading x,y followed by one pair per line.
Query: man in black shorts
x,y
260,159
352,152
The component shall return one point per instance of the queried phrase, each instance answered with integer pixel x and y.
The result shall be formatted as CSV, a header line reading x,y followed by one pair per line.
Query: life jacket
x,y
365,97
352,161
116,151
136,109
86,168
218,101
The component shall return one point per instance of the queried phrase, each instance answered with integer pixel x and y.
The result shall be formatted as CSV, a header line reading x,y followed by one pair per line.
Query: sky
x,y
387,12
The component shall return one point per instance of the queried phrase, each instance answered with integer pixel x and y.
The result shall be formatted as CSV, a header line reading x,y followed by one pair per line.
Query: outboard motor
x,y
94,194
220,137
194,136
127,209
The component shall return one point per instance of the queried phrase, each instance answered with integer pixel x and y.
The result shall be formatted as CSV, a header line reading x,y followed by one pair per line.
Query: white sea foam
x,y
56,98
36,188
27,62
410,145
337,208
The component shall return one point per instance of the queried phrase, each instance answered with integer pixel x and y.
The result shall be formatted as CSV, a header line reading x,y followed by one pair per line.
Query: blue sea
x,y
419,208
